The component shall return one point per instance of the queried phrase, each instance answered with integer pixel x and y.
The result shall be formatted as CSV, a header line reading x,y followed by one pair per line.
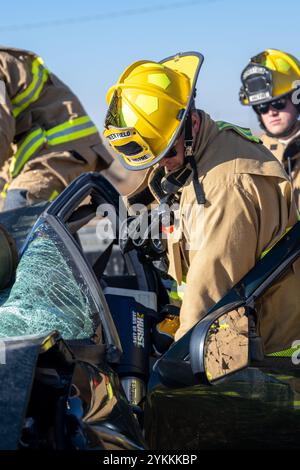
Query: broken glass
x,y
49,292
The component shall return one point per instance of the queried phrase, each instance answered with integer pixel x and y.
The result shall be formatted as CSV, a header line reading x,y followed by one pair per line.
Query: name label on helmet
x,y
140,159
119,135
254,70
259,96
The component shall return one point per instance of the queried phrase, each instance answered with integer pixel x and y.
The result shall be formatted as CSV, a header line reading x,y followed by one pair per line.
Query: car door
x,y
256,406
57,288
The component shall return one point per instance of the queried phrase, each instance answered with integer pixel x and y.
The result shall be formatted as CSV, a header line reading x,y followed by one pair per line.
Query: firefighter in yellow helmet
x,y
271,85
46,137
235,200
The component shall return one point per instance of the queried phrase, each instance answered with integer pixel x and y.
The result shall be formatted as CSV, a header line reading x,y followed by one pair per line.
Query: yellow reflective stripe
x,y
3,193
284,377
31,94
71,130
53,195
34,141
174,296
63,133
110,391
177,290
285,352
209,375
269,249
231,394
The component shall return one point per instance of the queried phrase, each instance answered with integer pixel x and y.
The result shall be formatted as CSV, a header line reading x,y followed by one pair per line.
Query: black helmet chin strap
x,y
164,185
189,158
188,136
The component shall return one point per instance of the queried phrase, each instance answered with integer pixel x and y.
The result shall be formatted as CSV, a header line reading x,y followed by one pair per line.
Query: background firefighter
x,y
46,137
271,85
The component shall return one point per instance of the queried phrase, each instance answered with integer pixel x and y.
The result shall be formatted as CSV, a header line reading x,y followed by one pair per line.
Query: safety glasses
x,y
171,153
278,104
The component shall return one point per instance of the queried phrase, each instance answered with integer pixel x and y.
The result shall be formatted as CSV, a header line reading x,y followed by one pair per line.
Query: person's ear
x,y
195,123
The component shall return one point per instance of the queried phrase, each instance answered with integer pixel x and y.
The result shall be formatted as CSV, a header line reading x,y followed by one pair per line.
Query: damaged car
x,y
79,367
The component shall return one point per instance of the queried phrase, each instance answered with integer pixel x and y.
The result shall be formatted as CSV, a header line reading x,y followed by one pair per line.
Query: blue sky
x,y
89,56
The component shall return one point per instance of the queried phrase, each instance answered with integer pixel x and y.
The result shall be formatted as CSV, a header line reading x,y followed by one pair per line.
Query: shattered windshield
x,y
49,292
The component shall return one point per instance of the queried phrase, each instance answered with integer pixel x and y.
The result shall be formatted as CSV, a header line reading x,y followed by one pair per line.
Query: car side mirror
x,y
220,345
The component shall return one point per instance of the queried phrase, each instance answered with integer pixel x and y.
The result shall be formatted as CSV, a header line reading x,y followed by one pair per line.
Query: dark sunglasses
x,y
263,108
171,153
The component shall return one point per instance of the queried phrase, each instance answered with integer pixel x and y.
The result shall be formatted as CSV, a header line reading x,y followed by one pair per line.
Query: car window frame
x,y
112,340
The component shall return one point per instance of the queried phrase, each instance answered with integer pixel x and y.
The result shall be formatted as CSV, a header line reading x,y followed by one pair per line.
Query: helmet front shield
x,y
257,84
270,75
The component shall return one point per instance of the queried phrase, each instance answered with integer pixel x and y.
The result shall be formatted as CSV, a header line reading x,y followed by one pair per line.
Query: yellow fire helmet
x,y
148,108
270,74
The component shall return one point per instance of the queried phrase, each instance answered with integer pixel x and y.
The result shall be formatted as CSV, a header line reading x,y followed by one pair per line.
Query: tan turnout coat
x,y
279,147
249,205
50,167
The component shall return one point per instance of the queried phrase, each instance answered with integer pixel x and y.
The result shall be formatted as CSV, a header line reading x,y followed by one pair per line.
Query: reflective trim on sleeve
x,y
32,144
71,130
66,132
40,75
